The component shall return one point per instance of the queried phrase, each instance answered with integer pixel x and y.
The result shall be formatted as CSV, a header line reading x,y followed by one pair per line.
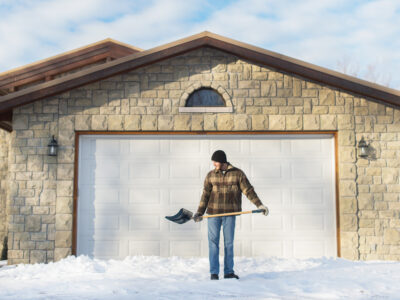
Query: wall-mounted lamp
x,y
53,146
363,148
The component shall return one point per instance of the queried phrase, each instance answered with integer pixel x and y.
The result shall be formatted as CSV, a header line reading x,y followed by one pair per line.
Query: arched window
x,y
205,97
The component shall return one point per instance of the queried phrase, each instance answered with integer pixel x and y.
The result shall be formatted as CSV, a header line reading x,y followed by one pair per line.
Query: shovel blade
x,y
181,217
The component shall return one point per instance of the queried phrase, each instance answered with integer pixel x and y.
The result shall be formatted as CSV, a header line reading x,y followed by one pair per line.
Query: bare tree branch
x,y
372,72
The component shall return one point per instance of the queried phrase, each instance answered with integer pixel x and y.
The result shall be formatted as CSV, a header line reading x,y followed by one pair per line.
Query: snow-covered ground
x,y
146,277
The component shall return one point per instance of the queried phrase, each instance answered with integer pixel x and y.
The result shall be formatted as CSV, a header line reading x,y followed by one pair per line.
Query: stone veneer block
x,y
277,122
63,239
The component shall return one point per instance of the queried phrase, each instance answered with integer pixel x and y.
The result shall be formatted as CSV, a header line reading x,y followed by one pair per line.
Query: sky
x,y
358,37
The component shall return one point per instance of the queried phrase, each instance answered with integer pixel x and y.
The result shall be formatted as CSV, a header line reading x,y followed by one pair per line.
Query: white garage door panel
x,y
185,248
144,248
144,222
128,184
184,195
275,248
190,226
273,223
144,196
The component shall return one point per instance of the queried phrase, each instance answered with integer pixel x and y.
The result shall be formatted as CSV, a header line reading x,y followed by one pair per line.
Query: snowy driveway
x,y
178,278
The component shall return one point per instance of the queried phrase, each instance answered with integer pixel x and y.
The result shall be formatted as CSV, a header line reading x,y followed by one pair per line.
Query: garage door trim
x,y
193,133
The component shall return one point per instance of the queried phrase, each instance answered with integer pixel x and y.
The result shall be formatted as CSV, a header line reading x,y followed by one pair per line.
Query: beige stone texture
x,y
225,122
327,97
182,122
259,122
64,188
241,122
99,122
65,171
328,122
392,236
4,146
132,122
210,122
83,122
165,123
390,175
115,123
311,122
64,205
37,256
64,222
277,122
61,253
268,88
349,240
348,171
47,197
33,223
348,205
347,188
348,222
294,122
365,201
149,122
198,122
63,239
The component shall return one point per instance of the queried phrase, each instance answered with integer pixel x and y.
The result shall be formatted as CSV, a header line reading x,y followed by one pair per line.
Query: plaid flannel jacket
x,y
222,193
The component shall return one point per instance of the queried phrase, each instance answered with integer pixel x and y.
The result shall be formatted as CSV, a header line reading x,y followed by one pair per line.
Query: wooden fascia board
x,y
239,49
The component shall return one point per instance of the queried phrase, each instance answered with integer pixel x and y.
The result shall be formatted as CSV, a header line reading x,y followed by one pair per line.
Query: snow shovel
x,y
185,215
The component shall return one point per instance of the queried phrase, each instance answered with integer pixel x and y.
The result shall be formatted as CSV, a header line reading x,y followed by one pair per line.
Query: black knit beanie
x,y
219,156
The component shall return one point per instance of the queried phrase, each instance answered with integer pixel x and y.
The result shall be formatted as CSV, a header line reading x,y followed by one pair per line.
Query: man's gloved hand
x,y
197,217
265,210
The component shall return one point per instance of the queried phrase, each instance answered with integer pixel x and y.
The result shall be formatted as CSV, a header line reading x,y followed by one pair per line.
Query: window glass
x,y
205,97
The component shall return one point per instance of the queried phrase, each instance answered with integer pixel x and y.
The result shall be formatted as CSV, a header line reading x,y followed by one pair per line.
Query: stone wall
x,y
148,99
4,139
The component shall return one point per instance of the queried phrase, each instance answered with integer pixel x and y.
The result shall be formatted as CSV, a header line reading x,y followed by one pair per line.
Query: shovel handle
x,y
235,213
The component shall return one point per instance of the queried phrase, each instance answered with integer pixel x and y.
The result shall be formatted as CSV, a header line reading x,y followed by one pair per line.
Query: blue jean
x,y
214,229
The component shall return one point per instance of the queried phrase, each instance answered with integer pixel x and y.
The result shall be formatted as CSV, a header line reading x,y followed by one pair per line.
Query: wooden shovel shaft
x,y
234,213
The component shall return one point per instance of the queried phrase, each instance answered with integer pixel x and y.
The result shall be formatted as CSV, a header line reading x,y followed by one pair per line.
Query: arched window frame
x,y
202,109
210,93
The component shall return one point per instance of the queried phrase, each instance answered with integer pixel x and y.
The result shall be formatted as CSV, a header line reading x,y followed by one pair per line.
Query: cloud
x,y
319,32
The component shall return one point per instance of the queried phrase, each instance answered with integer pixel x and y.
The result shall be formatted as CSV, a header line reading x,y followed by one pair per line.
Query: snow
x,y
151,277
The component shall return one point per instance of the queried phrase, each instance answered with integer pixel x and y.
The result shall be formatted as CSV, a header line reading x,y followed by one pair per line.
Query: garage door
x,y
128,184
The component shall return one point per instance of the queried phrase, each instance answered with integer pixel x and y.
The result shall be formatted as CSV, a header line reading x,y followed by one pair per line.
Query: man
x,y
222,193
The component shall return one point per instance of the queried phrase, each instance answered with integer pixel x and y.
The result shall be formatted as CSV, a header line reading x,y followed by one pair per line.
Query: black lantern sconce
x,y
53,146
363,148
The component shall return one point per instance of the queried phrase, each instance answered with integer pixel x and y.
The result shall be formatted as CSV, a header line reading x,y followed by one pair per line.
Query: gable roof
x,y
239,49
62,64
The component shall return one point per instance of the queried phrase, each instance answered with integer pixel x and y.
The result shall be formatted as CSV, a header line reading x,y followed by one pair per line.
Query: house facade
x,y
131,151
